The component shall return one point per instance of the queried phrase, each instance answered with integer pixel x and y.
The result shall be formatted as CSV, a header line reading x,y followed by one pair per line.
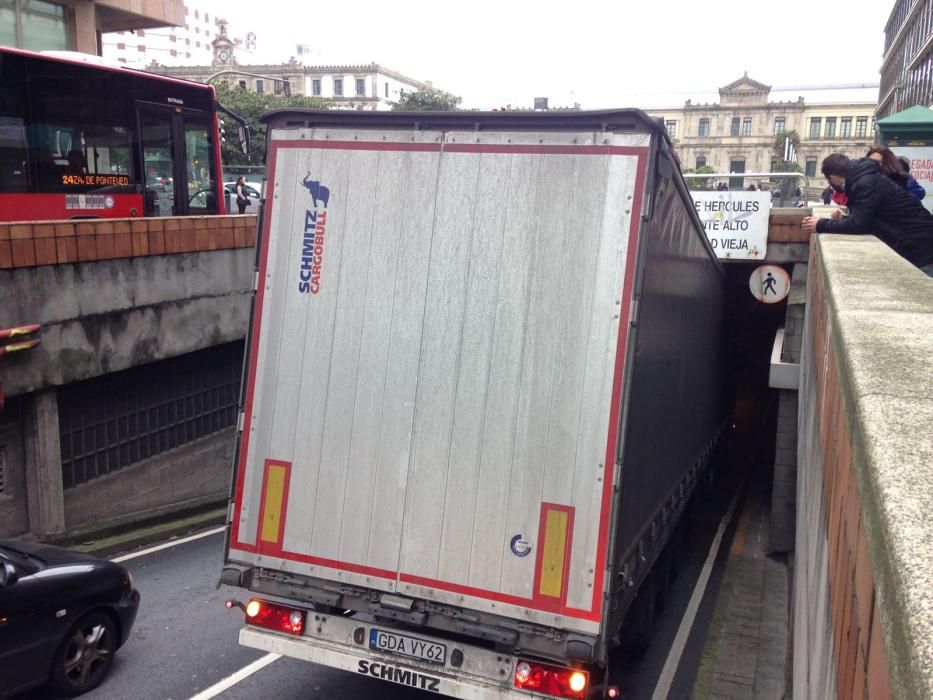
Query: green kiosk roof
x,y
912,124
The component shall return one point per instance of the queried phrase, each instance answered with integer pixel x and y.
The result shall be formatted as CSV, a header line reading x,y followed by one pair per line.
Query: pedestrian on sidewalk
x,y
880,207
894,168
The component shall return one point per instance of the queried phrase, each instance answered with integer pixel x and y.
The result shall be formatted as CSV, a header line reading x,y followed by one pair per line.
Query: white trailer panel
x,y
436,412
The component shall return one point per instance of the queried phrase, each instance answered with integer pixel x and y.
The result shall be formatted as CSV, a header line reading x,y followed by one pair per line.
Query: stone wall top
x,y
881,317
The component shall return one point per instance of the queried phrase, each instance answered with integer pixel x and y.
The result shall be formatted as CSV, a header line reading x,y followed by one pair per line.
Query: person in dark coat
x,y
893,167
880,207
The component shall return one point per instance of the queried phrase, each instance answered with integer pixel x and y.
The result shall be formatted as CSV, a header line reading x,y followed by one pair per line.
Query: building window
x,y
845,128
861,123
141,48
173,52
830,131
34,25
734,129
121,46
338,87
704,127
747,126
810,168
387,89
671,128
119,419
736,165
360,87
172,38
701,162
316,87
816,123
140,32
260,86
242,84
779,125
197,14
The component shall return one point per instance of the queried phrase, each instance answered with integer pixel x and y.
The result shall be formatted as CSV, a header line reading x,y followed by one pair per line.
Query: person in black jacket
x,y
880,207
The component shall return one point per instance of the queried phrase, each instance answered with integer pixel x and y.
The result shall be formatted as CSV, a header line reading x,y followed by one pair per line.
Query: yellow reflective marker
x,y
272,506
552,553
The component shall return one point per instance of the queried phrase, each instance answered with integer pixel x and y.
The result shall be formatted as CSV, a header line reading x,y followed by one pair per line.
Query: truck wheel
x,y
85,655
636,630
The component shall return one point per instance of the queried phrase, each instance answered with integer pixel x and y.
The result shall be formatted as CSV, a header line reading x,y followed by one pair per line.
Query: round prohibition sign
x,y
769,283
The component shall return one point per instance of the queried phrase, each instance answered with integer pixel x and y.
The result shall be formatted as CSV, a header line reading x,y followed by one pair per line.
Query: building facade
x,y
188,43
370,87
738,133
39,25
907,66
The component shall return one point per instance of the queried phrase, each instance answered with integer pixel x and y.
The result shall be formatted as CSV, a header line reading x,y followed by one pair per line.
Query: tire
x,y
85,655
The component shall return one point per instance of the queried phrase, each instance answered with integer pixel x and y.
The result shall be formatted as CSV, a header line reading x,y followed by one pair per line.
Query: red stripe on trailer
x,y
616,406
505,148
253,352
540,603
319,561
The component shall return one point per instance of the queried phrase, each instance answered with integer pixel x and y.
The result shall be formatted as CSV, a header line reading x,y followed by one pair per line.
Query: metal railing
x,y
786,196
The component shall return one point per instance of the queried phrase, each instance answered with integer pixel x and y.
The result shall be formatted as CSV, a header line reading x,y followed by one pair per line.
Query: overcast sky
x,y
643,53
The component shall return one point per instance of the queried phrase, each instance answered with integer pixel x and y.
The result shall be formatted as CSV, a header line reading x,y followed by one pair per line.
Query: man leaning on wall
x,y
877,206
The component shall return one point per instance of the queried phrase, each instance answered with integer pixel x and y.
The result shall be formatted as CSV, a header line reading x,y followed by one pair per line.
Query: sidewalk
x,y
745,654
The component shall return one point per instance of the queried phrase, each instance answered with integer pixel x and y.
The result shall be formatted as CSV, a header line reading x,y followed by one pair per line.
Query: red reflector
x,y
551,680
275,617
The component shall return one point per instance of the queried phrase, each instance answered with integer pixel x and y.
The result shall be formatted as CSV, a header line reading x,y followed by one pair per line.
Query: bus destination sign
x,y
95,180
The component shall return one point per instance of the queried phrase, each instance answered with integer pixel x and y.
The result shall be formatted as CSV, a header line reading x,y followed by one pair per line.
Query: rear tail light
x,y
551,680
275,617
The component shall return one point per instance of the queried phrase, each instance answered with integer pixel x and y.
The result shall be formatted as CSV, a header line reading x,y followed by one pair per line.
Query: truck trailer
x,y
482,383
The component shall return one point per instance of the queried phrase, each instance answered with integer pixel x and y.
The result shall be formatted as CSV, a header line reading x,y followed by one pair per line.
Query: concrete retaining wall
x,y
863,588
105,316
188,476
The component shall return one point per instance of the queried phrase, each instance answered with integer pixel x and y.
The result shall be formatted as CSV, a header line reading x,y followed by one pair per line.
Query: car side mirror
x,y
8,575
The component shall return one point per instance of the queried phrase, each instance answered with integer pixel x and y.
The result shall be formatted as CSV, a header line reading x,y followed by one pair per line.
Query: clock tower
x,y
223,48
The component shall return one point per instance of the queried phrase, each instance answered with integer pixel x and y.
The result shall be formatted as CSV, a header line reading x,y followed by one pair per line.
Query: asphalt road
x,y
185,640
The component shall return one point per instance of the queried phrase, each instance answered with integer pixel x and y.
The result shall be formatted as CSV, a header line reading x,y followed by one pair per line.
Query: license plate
x,y
402,644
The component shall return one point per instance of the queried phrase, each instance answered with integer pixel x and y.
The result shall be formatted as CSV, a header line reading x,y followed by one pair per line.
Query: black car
x,y
63,615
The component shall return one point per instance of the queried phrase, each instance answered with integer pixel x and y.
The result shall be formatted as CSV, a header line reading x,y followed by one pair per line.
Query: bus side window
x,y
13,156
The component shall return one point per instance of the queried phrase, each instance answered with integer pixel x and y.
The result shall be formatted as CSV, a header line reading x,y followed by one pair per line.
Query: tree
x,y
700,183
251,105
780,140
427,99
786,186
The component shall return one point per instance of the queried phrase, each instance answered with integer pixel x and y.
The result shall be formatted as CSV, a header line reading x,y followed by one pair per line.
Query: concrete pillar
x,y
44,489
85,28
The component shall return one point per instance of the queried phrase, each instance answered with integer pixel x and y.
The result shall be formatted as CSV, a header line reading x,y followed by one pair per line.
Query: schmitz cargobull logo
x,y
312,243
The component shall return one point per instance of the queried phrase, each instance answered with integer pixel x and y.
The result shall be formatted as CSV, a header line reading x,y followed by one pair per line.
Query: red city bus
x,y
80,139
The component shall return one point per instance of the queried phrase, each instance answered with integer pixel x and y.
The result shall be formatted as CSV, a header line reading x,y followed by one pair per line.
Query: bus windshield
x,y
84,141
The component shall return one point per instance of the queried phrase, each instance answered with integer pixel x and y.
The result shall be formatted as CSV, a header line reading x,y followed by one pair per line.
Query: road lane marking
x,y
235,678
171,543
666,679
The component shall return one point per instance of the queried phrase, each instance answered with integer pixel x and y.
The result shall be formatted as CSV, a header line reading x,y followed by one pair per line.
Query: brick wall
x,y
29,244
840,648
